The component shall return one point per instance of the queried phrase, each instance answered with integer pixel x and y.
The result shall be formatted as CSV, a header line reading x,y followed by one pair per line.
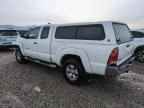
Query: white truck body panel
x,y
138,41
94,54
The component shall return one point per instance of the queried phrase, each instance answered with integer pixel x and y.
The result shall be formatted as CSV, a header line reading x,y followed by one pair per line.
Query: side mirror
x,y
23,35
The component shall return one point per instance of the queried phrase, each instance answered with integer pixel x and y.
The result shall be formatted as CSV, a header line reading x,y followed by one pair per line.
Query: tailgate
x,y
125,52
124,41
8,35
8,38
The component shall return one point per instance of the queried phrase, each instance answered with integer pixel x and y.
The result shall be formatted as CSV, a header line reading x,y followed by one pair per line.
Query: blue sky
x,y
35,12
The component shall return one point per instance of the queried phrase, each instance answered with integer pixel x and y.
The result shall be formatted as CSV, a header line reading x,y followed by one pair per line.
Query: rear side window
x,y
137,34
91,32
68,32
122,33
86,32
45,33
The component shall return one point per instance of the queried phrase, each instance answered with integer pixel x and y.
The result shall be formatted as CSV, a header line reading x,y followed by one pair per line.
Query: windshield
x,y
8,33
122,33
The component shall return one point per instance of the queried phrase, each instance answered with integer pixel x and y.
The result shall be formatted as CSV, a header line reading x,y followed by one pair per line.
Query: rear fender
x,y
74,51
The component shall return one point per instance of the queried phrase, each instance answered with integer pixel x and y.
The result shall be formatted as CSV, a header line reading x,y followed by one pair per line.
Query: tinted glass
x,y
45,32
91,32
23,33
138,34
8,33
122,33
33,34
67,32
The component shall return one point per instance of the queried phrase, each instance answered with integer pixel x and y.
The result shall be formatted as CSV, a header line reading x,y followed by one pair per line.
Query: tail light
x,y
113,57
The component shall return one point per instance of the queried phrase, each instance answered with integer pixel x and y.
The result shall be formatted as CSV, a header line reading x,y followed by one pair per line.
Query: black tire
x,y
140,55
80,73
19,57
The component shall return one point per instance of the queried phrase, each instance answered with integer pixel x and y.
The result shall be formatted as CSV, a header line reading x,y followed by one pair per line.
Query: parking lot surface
x,y
18,83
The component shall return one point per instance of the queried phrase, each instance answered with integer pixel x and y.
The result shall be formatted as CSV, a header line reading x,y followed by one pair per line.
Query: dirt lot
x,y
17,83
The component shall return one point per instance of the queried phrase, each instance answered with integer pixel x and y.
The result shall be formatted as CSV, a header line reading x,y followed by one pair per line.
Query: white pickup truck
x,y
138,36
101,48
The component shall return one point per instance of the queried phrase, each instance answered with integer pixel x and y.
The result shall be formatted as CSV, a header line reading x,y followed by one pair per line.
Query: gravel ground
x,y
17,83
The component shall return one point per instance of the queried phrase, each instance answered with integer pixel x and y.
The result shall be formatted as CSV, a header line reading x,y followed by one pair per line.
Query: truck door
x,y
44,44
30,43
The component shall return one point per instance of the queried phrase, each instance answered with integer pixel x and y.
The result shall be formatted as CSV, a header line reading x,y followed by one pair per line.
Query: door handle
x,y
128,46
35,43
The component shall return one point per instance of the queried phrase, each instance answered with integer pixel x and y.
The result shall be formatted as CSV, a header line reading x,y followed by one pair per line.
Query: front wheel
x,y
140,55
73,71
19,57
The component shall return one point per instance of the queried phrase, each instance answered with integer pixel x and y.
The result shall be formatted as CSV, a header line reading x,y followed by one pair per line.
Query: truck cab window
x,y
45,33
33,34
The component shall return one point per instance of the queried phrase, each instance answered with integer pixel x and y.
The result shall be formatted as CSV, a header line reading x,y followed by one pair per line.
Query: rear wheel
x,y
73,71
19,57
140,55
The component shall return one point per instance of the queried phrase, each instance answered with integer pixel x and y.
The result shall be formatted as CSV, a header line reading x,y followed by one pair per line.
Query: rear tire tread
x,y
137,53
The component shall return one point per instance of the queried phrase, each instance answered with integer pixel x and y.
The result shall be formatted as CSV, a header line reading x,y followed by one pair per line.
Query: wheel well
x,y
138,48
69,56
16,46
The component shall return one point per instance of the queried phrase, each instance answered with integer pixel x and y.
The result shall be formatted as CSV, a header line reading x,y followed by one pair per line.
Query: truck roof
x,y
83,23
